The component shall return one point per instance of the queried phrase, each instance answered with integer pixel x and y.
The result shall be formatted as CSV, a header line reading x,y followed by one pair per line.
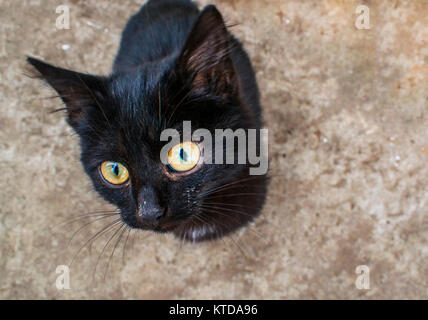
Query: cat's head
x,y
119,119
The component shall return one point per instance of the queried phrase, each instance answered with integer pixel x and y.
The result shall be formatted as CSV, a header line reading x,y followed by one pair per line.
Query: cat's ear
x,y
205,57
78,91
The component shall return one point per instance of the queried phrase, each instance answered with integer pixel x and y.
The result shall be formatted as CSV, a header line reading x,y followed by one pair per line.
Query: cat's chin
x,y
187,232
161,228
192,231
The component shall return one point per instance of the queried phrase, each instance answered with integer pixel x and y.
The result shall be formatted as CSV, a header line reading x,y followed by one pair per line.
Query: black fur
x,y
174,64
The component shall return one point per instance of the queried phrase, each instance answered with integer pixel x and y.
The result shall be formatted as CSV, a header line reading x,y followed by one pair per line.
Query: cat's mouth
x,y
163,223
158,222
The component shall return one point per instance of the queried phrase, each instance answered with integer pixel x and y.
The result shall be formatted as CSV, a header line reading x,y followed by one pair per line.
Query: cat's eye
x,y
184,156
114,172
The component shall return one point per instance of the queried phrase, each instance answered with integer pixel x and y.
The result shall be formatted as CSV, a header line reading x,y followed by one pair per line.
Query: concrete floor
x,y
347,111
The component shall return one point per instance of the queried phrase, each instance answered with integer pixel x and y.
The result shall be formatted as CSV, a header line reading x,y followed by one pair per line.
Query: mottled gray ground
x,y
347,111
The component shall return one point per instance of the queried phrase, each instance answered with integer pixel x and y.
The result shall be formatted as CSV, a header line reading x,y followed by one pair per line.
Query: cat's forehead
x,y
135,96
133,89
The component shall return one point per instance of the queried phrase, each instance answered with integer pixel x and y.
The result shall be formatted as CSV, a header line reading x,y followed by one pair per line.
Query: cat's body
x,y
174,64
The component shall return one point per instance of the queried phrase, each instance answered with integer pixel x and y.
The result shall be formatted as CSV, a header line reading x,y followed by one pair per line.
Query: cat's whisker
x,y
240,248
177,106
206,218
95,131
209,221
225,243
198,217
219,188
235,186
221,204
214,210
204,221
221,208
124,246
59,110
136,234
234,205
114,248
160,107
264,206
106,245
94,98
238,195
86,225
94,237
87,216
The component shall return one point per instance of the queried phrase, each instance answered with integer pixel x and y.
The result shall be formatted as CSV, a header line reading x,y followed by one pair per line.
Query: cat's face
x,y
155,195
120,119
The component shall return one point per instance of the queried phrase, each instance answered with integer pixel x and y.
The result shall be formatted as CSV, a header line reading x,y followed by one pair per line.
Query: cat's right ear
x,y
78,91
205,57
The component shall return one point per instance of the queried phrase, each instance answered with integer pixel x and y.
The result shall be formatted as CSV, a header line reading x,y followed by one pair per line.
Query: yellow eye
x,y
184,156
114,172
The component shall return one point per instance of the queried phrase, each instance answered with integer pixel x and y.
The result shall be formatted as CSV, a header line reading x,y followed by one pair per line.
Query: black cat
x,y
174,64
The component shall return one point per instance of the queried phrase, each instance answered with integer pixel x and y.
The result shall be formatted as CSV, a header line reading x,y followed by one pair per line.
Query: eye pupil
x,y
115,169
183,155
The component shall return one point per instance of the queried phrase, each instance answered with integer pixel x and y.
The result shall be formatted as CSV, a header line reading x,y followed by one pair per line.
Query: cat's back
x,y
158,30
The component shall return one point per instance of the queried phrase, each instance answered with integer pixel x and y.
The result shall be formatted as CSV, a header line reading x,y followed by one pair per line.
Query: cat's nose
x,y
149,214
148,205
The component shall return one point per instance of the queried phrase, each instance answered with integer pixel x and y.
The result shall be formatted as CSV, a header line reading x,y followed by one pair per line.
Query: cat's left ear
x,y
80,92
205,57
